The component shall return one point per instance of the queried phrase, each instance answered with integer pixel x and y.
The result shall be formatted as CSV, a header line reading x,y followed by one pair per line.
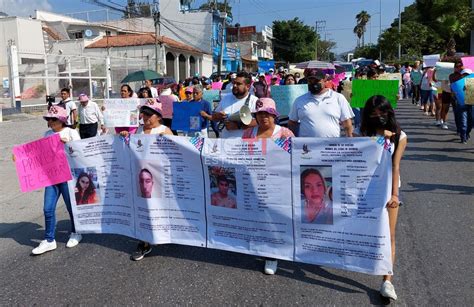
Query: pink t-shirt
x,y
278,133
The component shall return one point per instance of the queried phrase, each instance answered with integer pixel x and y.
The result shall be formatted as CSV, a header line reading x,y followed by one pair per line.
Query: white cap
x,y
271,69
466,71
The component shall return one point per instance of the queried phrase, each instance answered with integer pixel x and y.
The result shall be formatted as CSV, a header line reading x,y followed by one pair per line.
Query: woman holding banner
x,y
152,124
57,119
379,119
266,115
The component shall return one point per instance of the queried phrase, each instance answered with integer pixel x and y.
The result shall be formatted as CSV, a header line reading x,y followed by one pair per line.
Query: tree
x,y
209,6
362,19
359,32
293,41
137,9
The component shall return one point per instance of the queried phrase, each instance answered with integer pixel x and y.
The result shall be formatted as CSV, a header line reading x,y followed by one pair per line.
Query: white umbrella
x,y
315,65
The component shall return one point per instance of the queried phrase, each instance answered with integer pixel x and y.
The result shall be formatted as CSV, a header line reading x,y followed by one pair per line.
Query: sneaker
x,y
438,123
426,113
44,247
421,108
445,127
387,290
143,249
74,239
270,267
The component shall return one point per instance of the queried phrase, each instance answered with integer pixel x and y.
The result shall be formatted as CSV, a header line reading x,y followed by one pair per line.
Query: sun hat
x,y
83,98
189,89
56,112
153,106
266,105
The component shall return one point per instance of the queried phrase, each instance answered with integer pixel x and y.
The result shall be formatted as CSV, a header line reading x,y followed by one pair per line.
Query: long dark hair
x,y
129,89
382,104
88,192
144,89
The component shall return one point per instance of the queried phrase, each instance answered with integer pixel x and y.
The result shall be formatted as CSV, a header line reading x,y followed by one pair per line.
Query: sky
x,y
338,14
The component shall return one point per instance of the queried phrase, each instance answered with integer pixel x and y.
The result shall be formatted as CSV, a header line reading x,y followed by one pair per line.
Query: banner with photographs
x,y
318,201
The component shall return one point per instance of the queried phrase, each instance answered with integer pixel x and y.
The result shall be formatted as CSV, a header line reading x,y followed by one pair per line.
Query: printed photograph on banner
x,y
133,118
316,194
148,183
194,123
86,188
223,187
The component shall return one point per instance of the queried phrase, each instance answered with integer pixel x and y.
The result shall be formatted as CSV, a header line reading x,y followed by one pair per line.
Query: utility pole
x,y
221,53
380,31
320,25
156,19
399,31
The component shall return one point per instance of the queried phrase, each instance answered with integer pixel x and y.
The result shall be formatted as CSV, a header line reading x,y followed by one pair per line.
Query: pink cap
x,y
189,89
83,98
56,112
266,105
154,106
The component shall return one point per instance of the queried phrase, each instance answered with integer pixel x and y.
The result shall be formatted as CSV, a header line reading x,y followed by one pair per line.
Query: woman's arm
x,y
394,201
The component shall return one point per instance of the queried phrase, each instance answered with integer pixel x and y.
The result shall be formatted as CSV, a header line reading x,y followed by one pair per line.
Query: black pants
x,y
167,122
88,130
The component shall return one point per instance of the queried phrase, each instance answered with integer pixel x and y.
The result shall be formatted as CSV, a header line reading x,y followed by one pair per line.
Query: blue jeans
x,y
427,95
51,197
357,115
463,115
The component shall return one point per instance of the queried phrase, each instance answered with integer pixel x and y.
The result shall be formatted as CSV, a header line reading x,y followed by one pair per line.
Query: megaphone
x,y
244,116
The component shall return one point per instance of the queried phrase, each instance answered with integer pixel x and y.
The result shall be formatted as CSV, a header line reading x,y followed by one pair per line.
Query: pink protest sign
x,y
167,105
216,85
468,62
41,163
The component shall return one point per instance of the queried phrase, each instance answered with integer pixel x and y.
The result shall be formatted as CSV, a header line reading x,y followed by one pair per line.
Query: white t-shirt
x,y
70,106
154,92
230,105
67,134
157,130
320,115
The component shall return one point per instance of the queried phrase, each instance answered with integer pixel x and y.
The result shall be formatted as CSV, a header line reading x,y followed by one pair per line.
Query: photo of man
x,y
145,181
222,198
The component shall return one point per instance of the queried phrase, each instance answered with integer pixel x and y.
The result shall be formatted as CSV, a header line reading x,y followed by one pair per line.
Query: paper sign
x,y
390,76
186,116
362,90
468,62
211,95
167,104
121,112
285,95
469,93
347,89
216,85
430,60
443,70
41,163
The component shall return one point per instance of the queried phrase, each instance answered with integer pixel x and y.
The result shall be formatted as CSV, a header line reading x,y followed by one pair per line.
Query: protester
x,y
152,118
406,79
415,77
261,88
168,121
153,90
290,79
379,119
442,103
319,112
145,92
297,77
427,97
57,119
188,93
90,117
126,91
231,104
462,112
69,106
205,109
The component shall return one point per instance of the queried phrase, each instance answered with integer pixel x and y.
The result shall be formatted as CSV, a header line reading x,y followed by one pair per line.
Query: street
x,y
434,244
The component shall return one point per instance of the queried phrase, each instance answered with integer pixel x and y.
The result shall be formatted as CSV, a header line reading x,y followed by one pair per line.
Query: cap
x,y
266,105
83,98
275,77
280,69
233,76
262,74
56,112
189,89
153,106
316,73
271,69
466,71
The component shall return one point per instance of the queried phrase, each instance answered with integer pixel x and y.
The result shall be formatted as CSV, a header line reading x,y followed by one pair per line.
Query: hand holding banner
x,y
41,163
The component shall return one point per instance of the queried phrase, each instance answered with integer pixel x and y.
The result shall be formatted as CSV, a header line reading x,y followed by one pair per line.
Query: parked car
x,y
348,68
223,75
163,82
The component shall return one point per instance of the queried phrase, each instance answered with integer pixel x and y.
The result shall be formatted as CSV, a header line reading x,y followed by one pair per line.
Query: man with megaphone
x,y
235,110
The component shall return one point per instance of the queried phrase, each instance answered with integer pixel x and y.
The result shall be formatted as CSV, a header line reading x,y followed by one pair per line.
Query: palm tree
x,y
359,31
362,19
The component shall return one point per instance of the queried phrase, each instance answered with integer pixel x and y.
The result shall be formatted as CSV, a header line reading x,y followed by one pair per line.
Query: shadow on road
x,y
436,158
446,189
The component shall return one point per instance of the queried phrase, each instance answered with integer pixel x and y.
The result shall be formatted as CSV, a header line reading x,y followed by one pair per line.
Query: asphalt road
x,y
434,252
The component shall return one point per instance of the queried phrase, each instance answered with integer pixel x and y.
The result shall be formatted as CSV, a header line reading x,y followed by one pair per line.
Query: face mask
x,y
379,121
315,88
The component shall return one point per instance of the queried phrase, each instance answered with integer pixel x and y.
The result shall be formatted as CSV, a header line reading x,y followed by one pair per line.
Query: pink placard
x,y
41,163
167,105
468,62
216,85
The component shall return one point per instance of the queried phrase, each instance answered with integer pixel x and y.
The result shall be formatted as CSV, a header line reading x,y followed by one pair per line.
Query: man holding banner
x,y
321,111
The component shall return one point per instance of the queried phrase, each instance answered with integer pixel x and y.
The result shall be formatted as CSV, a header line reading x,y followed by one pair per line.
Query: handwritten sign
x,y
121,112
186,116
362,90
285,95
443,70
430,60
211,95
468,62
167,105
41,163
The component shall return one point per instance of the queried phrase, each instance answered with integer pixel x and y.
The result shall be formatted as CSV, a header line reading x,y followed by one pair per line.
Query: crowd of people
x,y
320,113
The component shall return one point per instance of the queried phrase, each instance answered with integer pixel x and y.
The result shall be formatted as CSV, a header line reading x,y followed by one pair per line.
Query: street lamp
x,y
239,68
399,30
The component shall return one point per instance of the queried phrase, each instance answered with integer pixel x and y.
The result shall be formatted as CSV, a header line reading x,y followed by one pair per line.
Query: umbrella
x,y
141,75
339,69
315,64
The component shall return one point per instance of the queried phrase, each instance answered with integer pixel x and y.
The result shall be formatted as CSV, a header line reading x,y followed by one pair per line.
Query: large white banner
x,y
319,201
